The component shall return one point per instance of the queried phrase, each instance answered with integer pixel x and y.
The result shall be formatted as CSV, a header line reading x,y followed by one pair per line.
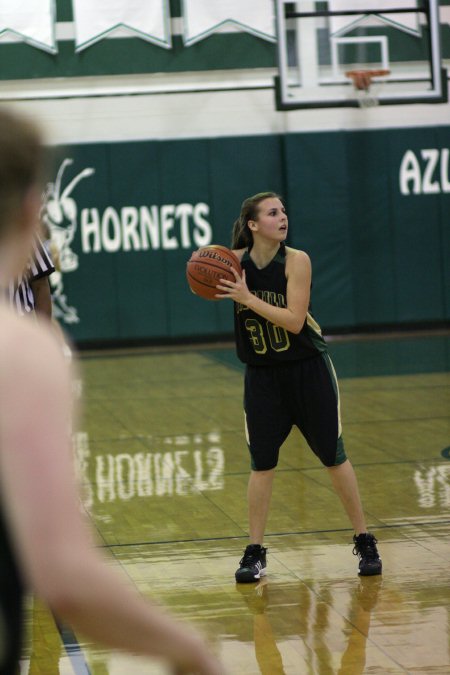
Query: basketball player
x,y
289,378
45,544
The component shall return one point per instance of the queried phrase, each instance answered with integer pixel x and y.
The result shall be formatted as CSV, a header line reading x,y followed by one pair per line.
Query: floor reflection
x,y
279,613
362,602
267,653
433,485
178,465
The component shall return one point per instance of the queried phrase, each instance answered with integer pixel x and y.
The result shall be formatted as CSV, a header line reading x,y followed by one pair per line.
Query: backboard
x,y
320,41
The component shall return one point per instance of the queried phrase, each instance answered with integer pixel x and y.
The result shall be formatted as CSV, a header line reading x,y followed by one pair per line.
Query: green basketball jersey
x,y
259,341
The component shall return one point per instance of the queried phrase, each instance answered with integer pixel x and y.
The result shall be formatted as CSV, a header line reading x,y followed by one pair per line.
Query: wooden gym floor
x,y
164,465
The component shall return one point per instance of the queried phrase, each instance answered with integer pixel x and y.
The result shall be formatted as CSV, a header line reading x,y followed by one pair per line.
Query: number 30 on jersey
x,y
278,337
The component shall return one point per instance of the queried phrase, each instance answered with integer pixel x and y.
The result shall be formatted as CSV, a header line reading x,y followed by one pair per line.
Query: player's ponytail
x,y
242,236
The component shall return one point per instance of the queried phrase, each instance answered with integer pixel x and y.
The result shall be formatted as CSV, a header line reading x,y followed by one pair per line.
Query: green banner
x,y
133,55
370,207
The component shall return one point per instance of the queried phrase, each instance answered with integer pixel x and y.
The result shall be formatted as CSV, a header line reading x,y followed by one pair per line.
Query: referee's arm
x,y
42,297
40,269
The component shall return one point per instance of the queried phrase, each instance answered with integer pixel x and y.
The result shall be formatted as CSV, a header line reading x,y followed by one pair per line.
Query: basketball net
x,y
362,84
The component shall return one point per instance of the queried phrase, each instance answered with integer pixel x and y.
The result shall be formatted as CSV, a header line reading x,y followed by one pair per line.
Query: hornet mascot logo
x,y
59,216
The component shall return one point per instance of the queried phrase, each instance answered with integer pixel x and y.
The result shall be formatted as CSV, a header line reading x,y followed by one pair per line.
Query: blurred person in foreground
x,y
45,545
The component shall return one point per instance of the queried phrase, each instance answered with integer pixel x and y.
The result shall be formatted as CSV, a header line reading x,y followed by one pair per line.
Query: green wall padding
x,y
379,256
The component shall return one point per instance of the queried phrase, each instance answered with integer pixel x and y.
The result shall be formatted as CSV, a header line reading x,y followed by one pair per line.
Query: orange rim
x,y
369,73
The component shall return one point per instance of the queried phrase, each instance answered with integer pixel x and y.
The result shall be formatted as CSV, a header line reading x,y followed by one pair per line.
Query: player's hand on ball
x,y
236,290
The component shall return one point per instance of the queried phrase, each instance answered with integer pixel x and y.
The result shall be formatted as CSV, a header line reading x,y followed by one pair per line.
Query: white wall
x,y
85,110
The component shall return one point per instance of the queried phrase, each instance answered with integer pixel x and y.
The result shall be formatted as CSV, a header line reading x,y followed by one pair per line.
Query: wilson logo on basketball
x,y
207,253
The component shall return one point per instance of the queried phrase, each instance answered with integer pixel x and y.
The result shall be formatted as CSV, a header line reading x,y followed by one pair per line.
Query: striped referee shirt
x,y
40,265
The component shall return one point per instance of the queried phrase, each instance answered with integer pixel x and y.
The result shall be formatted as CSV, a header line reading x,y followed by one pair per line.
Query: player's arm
x,y
292,318
53,542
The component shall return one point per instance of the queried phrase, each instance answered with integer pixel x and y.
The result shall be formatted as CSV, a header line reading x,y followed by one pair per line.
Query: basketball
x,y
207,266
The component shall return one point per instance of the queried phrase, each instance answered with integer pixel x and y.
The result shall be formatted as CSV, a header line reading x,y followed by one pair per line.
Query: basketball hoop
x,y
362,82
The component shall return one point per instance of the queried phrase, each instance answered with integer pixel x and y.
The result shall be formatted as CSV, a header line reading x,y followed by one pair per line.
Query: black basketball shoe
x,y
252,565
366,550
